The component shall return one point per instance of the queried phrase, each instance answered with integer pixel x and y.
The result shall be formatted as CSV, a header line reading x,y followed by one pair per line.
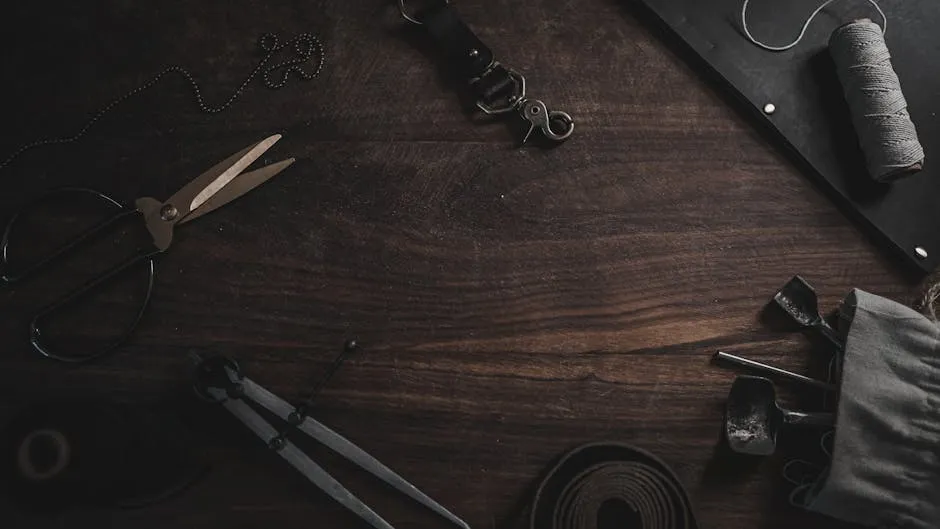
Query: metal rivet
x,y
921,252
770,108
474,53
169,212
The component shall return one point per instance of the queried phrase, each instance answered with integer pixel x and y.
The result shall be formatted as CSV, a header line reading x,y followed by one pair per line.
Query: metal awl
x,y
773,371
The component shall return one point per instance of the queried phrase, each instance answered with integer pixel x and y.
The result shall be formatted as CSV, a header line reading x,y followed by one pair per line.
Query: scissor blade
x,y
238,187
197,192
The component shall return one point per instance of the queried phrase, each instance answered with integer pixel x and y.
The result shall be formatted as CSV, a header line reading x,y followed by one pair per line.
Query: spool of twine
x,y
872,90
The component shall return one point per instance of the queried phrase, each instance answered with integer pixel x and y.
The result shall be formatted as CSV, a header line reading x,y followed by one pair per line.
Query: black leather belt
x,y
606,485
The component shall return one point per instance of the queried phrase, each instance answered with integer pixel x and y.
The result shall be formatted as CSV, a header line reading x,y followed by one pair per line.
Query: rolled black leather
x,y
611,485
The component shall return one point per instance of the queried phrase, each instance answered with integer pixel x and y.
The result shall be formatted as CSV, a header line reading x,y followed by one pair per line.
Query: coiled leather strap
x,y
609,485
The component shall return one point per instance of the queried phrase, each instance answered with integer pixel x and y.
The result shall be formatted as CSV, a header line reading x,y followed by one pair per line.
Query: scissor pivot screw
x,y
169,212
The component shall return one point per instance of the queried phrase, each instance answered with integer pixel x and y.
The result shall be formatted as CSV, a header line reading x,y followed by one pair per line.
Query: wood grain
x,y
511,303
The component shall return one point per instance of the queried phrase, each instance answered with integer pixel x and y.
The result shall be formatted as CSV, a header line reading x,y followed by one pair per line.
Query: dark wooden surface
x,y
511,303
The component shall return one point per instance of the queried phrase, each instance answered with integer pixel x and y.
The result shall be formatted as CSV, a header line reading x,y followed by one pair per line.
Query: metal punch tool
x,y
753,418
799,302
219,379
218,186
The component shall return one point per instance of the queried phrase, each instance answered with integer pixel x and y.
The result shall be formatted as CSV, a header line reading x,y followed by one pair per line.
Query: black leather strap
x,y
611,485
467,55
464,51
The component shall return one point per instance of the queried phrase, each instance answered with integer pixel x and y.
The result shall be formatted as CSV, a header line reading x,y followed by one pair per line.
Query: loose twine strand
x,y
809,20
928,304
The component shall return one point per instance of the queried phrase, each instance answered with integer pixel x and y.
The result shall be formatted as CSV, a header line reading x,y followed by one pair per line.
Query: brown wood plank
x,y
511,303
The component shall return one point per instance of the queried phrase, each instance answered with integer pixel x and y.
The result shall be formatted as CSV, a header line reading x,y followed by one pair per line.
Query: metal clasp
x,y
538,115
513,101
554,124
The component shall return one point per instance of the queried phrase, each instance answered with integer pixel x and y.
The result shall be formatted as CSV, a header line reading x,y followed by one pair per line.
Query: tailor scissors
x,y
213,189
219,379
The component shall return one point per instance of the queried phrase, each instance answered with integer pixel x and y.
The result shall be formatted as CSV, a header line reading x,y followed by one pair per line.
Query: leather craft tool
x,y
769,370
498,89
753,418
219,380
611,485
215,188
799,302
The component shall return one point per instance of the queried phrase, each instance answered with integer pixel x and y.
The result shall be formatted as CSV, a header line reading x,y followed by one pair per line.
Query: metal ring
x,y
6,278
513,101
565,119
409,18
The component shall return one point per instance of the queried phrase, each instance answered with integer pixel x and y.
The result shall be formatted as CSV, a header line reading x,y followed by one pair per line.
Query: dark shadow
x,y
522,507
726,468
120,453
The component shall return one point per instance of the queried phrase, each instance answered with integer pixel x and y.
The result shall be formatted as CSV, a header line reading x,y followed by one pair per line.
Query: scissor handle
x,y
8,277
36,325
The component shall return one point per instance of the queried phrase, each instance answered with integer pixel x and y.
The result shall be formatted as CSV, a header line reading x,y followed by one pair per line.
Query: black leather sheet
x,y
811,115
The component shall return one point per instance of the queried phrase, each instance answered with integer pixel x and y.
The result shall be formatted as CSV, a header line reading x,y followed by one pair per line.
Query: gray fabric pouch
x,y
885,470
